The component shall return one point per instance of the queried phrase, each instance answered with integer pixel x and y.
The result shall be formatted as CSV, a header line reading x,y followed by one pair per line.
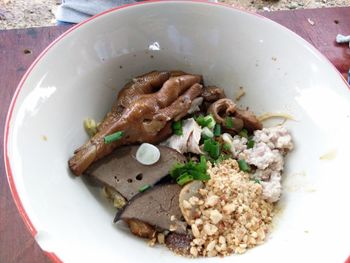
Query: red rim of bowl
x,y
8,170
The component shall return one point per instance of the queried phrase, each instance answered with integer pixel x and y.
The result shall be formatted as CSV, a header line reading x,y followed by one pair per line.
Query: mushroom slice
x,y
188,191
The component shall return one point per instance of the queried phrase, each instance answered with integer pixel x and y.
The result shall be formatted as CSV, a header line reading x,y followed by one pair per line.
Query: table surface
x,y
19,48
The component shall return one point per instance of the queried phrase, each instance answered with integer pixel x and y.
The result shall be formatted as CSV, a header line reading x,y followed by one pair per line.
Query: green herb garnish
x,y
217,130
222,157
184,179
201,121
177,127
144,188
212,147
250,143
256,180
207,133
184,173
204,137
207,121
243,133
113,137
202,164
243,166
226,146
229,122
211,120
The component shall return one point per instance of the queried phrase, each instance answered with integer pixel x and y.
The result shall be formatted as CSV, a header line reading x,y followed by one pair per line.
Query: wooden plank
x,y
328,22
19,48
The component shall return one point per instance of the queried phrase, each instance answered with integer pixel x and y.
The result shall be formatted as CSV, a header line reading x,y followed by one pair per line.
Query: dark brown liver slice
x,y
122,172
155,207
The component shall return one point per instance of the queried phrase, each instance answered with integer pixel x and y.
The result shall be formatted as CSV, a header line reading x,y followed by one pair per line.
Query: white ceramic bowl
x,y
79,75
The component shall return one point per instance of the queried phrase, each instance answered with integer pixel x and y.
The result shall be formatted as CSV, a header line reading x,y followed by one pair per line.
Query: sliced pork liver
x,y
123,173
158,207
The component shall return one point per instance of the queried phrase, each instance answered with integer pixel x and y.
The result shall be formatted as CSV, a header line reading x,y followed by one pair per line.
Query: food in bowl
x,y
185,166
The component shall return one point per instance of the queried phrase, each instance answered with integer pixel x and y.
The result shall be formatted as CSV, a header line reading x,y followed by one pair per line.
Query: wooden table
x,y
18,49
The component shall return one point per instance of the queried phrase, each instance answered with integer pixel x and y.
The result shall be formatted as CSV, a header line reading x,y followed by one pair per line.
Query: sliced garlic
x,y
147,154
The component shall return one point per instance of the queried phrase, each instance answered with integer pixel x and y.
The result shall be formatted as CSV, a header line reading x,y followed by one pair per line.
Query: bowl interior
x,y
80,75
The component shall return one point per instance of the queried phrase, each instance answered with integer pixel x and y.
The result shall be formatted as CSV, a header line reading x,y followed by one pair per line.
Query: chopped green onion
x,y
113,137
184,173
204,137
243,133
177,127
229,122
206,132
211,120
202,166
217,130
184,179
243,166
200,176
222,157
200,120
207,121
256,180
177,170
250,143
144,188
212,147
226,146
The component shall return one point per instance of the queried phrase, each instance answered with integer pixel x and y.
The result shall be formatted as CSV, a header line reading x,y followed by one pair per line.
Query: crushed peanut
x,y
194,251
152,242
215,216
172,227
232,215
161,238
210,229
187,204
194,200
195,230
212,200
117,199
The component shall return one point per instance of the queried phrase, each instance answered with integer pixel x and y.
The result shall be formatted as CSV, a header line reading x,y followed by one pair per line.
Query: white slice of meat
x,y
189,140
193,142
195,105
